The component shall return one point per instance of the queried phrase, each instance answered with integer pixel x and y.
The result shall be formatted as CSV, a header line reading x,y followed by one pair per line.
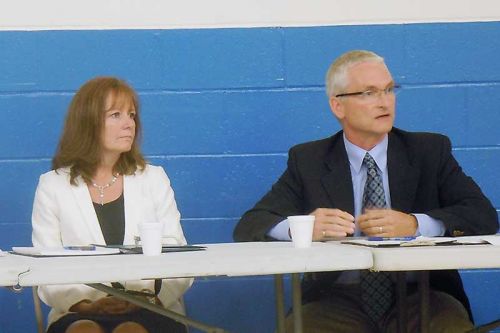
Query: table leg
x,y
297,303
280,303
424,293
155,308
401,301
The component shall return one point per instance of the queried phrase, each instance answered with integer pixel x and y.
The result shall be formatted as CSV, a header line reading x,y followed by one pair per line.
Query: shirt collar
x,y
357,154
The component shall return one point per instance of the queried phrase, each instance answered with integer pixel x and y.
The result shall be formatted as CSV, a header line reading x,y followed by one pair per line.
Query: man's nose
x,y
384,99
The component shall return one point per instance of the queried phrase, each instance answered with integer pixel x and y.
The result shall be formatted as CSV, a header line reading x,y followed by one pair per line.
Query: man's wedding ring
x,y
380,229
323,233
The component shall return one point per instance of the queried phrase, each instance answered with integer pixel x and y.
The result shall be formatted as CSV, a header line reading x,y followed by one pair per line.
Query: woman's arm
x,y
47,233
168,214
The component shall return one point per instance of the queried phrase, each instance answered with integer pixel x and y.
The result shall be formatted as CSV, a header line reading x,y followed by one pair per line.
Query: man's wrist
x,y
414,223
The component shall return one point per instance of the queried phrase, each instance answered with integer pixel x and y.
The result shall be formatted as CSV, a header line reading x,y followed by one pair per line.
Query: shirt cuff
x,y
280,231
428,226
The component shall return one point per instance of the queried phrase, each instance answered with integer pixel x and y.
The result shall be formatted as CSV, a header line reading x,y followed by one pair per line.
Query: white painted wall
x,y
169,14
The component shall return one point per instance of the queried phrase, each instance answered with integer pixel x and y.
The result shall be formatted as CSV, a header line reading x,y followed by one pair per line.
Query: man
x,y
375,180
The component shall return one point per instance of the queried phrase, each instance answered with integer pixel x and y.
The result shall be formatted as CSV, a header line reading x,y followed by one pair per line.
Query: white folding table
x,y
225,259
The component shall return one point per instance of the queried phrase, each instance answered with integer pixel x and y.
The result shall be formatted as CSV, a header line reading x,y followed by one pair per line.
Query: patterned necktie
x,y
377,292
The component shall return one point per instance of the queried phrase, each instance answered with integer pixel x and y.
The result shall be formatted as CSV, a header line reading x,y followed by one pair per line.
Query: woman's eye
x,y
132,115
115,115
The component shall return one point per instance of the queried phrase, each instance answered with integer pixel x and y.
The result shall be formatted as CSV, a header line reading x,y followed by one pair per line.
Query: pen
x,y
391,238
81,248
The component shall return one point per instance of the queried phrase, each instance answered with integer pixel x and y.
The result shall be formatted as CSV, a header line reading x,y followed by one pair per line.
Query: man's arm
x,y
287,197
465,209
284,199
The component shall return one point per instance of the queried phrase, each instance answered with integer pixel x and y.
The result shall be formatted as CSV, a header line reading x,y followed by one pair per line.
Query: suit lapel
x,y
403,177
84,202
338,183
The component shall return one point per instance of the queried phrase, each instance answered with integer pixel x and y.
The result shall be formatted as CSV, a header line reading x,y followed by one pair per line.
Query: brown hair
x,y
80,145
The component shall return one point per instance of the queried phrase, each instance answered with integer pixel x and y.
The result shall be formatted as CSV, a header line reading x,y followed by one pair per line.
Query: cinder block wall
x,y
220,109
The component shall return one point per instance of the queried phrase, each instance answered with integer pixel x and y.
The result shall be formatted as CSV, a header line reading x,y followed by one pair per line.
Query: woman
x,y
99,190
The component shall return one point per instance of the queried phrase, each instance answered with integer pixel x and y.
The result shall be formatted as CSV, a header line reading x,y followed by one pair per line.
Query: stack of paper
x,y
64,251
422,241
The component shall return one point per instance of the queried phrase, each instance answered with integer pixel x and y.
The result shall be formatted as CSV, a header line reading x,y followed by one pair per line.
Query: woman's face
x,y
119,126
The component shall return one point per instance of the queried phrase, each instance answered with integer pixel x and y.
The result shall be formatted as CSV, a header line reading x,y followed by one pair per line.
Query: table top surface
x,y
224,259
242,259
438,257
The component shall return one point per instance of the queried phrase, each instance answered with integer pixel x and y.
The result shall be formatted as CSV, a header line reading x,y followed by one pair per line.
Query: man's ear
x,y
336,107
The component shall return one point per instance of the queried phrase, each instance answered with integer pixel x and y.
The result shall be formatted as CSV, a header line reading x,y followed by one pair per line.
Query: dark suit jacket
x,y
424,177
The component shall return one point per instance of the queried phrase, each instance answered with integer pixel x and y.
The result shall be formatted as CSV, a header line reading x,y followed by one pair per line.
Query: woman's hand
x,y
105,305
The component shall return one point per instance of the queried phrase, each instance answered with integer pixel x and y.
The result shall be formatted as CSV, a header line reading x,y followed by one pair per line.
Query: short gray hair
x,y
336,77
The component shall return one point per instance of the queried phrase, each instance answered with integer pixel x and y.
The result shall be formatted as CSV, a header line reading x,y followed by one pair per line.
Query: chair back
x,y
38,310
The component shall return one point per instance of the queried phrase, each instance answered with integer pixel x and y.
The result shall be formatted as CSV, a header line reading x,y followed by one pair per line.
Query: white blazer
x,y
63,214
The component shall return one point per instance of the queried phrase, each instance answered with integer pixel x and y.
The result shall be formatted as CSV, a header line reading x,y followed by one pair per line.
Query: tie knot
x,y
369,161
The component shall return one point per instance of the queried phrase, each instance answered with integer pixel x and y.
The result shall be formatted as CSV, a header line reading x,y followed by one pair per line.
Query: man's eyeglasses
x,y
372,94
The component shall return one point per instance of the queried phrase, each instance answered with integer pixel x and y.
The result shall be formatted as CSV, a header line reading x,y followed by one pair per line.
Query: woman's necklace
x,y
101,188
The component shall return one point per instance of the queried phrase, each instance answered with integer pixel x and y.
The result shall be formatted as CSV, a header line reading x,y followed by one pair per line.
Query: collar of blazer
x,y
403,176
132,202
338,183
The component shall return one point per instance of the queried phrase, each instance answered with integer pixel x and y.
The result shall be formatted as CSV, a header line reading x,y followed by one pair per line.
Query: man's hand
x,y
387,223
331,222
105,305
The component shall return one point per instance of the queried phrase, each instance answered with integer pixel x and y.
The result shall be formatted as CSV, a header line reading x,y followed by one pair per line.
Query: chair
x,y
38,311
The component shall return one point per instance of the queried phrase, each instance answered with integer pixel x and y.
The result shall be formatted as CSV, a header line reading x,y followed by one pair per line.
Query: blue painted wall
x,y
220,109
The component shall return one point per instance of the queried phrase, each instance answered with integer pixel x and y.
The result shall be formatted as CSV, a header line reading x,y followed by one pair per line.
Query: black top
x,y
111,217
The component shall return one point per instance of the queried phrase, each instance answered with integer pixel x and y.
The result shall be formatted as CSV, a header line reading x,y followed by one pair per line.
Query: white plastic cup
x,y
151,234
301,229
